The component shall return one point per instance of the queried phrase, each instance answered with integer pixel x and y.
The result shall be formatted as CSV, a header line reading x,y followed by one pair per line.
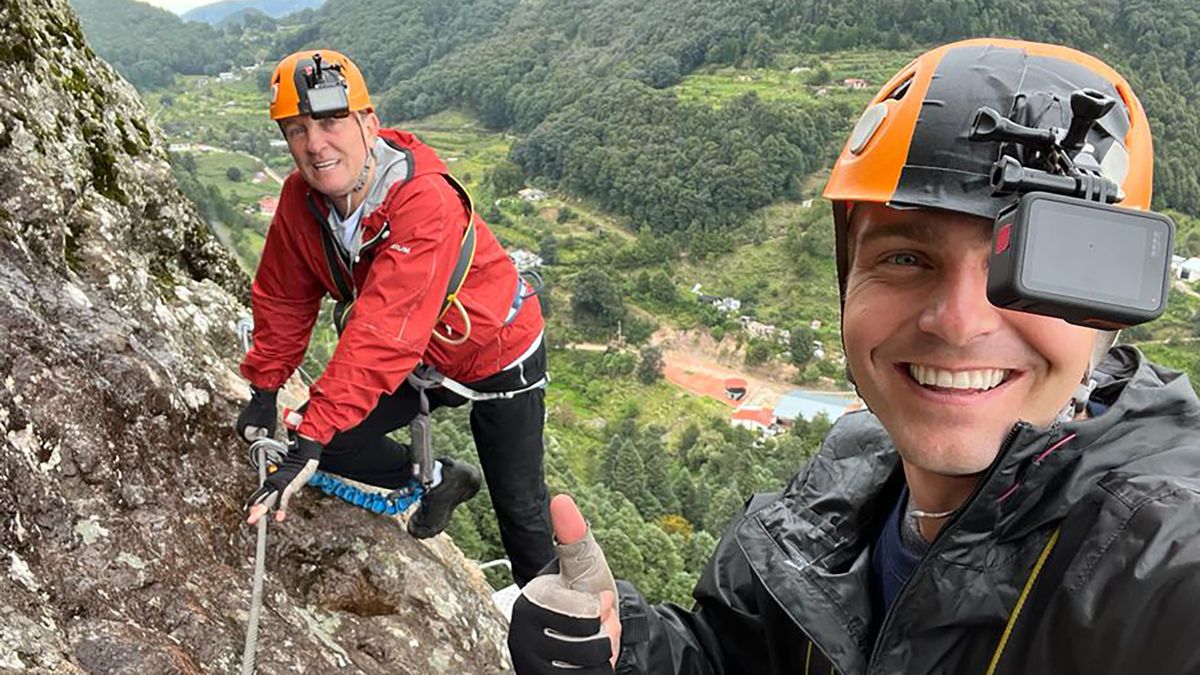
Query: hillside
x,y
219,12
542,66
150,46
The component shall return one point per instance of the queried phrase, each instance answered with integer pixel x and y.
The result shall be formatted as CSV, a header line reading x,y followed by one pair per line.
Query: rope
x,y
260,556
395,502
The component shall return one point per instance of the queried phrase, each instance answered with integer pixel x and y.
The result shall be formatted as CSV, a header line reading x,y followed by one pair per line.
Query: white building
x,y
727,304
1189,270
525,260
532,194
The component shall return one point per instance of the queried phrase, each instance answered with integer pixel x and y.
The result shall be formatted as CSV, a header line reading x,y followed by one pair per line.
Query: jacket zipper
x,y
349,260
935,548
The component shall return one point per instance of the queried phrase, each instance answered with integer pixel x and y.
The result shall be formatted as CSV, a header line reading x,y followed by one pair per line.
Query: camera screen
x,y
1095,254
325,101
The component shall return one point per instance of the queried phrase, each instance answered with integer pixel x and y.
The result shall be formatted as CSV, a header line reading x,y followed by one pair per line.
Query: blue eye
x,y
903,259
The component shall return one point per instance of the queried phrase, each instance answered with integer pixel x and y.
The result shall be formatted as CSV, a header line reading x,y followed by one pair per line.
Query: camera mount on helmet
x,y
1062,249
1061,161
324,92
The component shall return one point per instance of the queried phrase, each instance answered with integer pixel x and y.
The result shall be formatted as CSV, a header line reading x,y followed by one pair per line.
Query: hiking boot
x,y
460,482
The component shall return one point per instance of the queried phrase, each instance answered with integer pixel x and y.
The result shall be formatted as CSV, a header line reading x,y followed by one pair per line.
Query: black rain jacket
x,y
1078,552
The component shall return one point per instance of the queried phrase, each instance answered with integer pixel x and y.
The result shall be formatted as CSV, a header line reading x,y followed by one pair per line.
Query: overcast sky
x,y
178,6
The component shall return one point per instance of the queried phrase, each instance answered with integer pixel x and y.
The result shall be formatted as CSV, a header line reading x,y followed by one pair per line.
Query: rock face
x,y
122,548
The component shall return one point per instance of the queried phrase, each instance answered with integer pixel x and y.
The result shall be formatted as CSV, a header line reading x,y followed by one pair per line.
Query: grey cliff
x,y
122,543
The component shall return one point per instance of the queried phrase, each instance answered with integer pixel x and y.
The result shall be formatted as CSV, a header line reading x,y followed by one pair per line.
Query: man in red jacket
x,y
372,217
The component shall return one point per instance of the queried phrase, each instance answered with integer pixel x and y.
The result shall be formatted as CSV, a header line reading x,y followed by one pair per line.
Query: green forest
x,y
681,143
150,46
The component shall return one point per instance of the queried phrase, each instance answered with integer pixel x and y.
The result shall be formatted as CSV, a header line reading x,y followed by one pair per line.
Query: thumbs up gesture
x,y
567,623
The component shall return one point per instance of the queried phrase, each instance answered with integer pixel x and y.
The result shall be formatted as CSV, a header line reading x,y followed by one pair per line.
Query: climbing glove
x,y
567,623
289,476
258,418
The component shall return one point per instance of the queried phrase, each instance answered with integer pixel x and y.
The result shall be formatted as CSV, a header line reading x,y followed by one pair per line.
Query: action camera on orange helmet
x,y
323,93
1063,249
1089,263
1046,142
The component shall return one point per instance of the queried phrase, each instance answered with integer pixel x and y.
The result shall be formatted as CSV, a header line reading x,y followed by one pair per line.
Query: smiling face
x,y
947,373
329,152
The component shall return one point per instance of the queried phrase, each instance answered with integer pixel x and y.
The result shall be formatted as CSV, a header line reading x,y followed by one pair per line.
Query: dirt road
x,y
694,362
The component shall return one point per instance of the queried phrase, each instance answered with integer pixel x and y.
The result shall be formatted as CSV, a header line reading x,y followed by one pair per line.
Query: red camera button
x,y
1003,238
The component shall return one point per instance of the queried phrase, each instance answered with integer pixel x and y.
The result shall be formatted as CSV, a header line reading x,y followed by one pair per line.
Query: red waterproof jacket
x,y
400,284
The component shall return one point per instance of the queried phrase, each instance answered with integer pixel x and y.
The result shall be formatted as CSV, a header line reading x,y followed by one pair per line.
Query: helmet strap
x,y
1083,391
366,166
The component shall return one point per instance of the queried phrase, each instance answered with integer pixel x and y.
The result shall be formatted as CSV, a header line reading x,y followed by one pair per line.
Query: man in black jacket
x,y
1020,497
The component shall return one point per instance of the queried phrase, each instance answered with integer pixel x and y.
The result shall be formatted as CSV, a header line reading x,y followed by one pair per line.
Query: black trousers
x,y
508,437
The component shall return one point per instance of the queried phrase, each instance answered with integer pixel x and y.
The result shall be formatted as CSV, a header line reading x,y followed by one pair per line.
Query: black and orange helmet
x,y
289,83
911,148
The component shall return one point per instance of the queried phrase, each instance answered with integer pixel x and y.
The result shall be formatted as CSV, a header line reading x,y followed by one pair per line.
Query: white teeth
x,y
325,164
977,378
962,379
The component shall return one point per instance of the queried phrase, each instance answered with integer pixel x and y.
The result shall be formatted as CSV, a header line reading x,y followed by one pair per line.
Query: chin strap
x,y
366,167
1078,402
1083,391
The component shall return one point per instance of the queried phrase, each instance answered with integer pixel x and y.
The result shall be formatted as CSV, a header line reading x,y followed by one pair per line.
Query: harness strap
x,y
426,376
466,250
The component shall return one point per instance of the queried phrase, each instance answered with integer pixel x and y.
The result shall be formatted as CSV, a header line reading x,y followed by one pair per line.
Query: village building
x,y
532,194
267,205
807,405
735,388
754,418
1187,270
525,260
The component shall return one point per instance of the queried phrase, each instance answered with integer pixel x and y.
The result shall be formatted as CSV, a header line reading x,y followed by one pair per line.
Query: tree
x,y
800,344
688,437
698,549
757,353
597,300
234,174
625,472
662,288
548,249
505,178
650,368
662,71
820,76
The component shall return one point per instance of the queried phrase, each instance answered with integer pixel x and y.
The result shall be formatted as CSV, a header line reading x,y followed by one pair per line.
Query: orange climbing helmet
x,y
317,82
911,147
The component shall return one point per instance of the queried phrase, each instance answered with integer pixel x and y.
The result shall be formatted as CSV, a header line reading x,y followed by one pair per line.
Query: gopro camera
x,y
1086,262
324,92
